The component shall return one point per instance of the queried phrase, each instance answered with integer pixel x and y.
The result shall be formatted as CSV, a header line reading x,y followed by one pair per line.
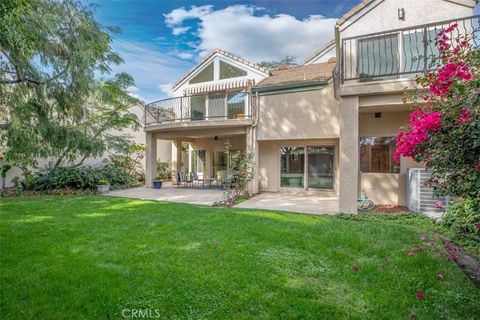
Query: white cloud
x,y
149,67
258,38
167,89
177,16
185,55
179,30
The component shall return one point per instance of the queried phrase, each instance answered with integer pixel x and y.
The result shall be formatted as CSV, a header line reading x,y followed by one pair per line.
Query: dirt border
x,y
469,265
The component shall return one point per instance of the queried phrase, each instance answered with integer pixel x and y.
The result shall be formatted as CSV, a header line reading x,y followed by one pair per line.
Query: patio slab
x,y
312,203
171,193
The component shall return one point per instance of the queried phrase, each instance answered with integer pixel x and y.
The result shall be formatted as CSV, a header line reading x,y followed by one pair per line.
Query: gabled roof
x,y
354,10
300,74
326,48
224,53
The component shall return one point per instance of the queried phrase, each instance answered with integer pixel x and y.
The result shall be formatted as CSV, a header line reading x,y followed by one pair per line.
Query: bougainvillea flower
x,y
418,249
453,257
477,225
422,237
440,276
420,295
410,254
438,204
465,117
429,244
355,268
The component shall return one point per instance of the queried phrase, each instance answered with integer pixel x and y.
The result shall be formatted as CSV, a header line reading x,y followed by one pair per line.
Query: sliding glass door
x,y
292,167
321,163
309,166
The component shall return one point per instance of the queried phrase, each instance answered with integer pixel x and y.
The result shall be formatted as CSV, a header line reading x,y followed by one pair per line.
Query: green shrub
x,y
71,177
463,219
164,171
79,178
117,177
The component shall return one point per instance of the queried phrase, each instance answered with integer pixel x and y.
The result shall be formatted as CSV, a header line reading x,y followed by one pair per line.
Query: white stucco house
x,y
328,124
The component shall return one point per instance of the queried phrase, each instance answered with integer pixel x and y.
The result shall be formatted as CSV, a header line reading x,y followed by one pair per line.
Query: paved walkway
x,y
171,193
313,203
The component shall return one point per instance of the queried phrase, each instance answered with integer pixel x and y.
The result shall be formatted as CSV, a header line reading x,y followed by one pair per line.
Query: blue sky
x,y
161,40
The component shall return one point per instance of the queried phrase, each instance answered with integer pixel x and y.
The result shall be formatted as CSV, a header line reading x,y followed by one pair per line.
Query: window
x,y
235,104
414,50
377,57
376,155
229,71
292,166
197,106
203,76
198,161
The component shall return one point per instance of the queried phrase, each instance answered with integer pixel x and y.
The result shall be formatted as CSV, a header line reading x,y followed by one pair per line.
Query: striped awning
x,y
219,86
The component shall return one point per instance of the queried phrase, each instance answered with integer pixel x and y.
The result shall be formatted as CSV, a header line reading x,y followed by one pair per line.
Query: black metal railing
x,y
211,106
398,53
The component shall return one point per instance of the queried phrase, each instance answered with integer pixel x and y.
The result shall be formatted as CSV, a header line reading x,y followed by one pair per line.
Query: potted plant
x,y
103,186
157,183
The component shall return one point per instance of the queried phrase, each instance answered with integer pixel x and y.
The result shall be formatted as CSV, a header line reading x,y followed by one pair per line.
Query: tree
x,y
444,130
288,60
52,103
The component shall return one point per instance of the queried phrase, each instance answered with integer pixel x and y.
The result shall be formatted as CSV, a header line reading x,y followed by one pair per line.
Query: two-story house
x,y
329,124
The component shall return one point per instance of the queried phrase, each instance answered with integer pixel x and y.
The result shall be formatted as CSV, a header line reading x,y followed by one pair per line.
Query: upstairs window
x,y
205,75
229,71
377,58
376,155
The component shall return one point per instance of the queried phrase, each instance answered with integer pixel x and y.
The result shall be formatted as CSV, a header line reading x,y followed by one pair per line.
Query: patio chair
x,y
181,179
196,179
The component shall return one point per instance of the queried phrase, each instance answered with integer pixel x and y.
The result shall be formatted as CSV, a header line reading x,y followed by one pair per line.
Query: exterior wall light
x,y
401,14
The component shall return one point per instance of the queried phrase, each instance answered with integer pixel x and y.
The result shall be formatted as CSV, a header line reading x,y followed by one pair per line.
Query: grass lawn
x,y
77,257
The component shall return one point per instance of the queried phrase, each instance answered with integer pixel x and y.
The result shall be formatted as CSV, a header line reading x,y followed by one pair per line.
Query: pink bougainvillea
x,y
420,123
465,117
438,204
428,118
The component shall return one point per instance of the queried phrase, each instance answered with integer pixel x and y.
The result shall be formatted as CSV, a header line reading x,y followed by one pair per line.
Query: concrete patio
x,y
302,202
310,202
171,193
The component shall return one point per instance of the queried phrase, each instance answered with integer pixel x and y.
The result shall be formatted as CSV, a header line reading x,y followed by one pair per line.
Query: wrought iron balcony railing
x,y
211,106
398,53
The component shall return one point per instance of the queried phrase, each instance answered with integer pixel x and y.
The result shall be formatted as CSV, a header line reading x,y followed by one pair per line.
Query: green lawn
x,y
76,257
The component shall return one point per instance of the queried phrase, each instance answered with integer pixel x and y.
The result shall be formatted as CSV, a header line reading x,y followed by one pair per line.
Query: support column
x,y
208,163
178,144
252,146
190,150
349,154
150,158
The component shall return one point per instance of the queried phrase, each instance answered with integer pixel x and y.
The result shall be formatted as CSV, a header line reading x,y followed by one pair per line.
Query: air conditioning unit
x,y
420,197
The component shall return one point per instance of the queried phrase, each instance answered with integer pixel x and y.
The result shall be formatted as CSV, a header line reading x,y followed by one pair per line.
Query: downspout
x,y
336,74
337,42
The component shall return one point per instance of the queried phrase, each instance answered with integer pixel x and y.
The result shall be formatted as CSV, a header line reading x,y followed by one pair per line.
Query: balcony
x,y
230,106
399,53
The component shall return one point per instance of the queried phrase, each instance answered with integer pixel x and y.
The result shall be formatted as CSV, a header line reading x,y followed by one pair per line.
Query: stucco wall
x,y
416,13
384,188
298,115
269,161
388,125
